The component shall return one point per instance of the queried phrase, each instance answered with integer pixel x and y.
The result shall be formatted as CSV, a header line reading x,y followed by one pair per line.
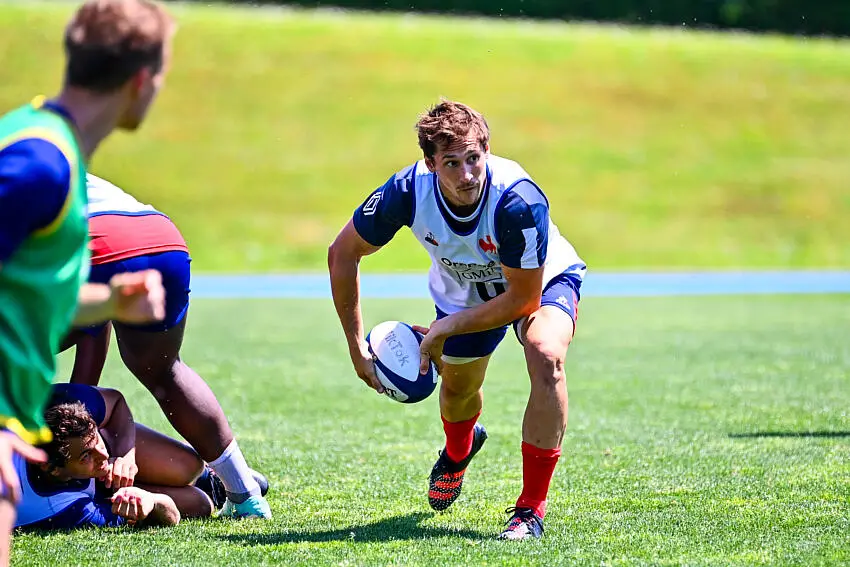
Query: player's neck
x,y
94,116
461,211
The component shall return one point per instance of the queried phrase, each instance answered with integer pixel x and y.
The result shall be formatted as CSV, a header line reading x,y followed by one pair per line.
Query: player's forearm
x,y
499,311
345,288
95,304
165,512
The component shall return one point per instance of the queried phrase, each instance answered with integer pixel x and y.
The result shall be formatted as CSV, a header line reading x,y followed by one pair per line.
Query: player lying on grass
x,y
116,55
127,235
105,470
496,260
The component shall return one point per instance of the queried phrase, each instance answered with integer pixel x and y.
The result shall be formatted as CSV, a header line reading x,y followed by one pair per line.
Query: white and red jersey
x,y
122,227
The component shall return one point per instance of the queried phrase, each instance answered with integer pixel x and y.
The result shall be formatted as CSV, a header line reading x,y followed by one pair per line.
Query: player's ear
x,y
140,80
431,164
487,148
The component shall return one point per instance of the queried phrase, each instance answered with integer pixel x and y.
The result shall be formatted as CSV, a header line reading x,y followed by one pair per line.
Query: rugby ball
x,y
395,348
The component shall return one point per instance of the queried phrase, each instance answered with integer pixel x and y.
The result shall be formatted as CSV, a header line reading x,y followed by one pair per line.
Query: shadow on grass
x,y
757,434
404,527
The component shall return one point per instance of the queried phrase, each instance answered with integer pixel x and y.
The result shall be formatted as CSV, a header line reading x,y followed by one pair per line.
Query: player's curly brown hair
x,y
448,122
109,41
66,422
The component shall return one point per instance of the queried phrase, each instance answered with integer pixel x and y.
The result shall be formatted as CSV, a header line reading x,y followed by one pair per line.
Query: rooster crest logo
x,y
487,245
429,238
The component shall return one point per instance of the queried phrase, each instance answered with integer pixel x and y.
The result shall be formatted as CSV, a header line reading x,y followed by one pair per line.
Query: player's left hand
x,y
123,472
431,347
132,503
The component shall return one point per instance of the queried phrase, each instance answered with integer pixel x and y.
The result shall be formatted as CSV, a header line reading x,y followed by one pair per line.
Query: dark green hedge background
x,y
807,17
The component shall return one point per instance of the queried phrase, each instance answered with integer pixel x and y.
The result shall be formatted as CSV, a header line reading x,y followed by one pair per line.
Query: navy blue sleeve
x,y
84,513
521,224
34,181
89,396
387,209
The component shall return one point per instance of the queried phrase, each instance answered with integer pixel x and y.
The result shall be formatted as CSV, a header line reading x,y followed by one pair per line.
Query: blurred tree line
x,y
804,17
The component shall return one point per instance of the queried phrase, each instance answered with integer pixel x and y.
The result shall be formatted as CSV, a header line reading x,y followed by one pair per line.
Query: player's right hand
x,y
122,473
10,484
138,297
364,365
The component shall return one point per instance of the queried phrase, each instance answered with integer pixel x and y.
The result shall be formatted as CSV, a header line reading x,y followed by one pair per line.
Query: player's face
x,y
142,92
461,169
89,458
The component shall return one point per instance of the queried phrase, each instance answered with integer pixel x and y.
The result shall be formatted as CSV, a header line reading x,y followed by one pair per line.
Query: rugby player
x,y
497,260
116,55
128,236
104,469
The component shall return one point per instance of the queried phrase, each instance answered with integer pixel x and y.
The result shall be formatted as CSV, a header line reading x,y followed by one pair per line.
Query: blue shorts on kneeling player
x,y
174,267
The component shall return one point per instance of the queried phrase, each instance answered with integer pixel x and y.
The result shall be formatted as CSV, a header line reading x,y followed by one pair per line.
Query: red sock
x,y
538,466
459,437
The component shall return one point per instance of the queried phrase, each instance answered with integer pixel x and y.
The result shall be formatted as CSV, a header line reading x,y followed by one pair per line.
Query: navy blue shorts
x,y
561,291
174,267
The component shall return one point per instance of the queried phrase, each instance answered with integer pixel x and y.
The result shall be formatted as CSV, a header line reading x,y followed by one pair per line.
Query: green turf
x,y
703,431
657,148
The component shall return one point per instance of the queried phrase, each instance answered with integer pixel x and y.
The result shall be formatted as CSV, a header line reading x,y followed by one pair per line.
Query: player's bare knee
x,y
545,358
547,332
459,390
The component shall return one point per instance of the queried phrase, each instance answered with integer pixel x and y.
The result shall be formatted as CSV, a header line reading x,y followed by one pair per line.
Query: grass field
x,y
702,150
703,431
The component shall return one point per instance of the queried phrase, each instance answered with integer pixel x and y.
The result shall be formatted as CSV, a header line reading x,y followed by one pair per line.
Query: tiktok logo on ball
x,y
391,393
397,348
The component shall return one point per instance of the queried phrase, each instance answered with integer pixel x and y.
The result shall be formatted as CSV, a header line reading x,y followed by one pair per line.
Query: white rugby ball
x,y
395,348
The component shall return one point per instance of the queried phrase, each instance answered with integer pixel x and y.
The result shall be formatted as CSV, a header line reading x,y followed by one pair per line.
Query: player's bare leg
x,y
187,401
165,461
546,336
192,409
90,356
461,397
461,400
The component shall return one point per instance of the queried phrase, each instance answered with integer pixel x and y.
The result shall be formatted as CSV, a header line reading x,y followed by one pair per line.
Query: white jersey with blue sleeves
x,y
510,227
